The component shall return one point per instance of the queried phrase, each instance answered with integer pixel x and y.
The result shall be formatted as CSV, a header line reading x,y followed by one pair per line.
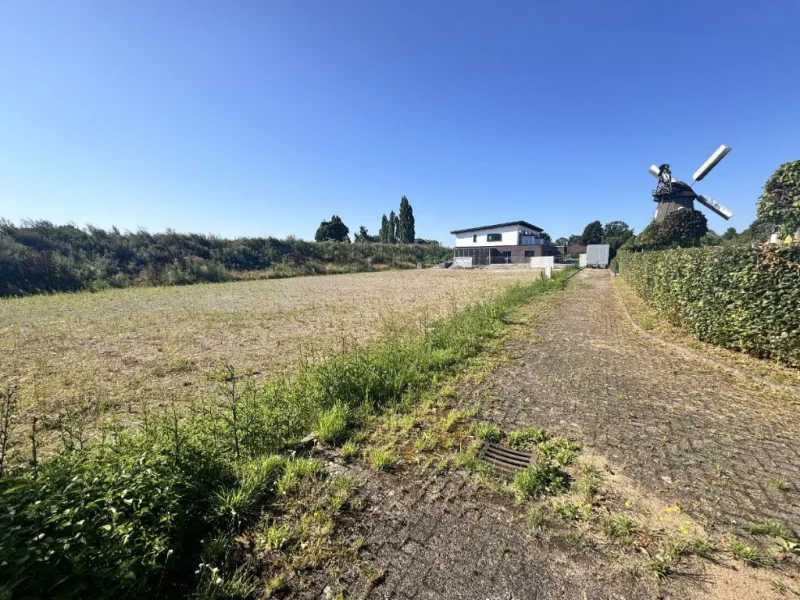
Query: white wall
x,y
542,262
510,237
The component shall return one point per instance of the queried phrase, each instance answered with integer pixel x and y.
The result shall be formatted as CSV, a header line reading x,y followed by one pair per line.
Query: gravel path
x,y
682,430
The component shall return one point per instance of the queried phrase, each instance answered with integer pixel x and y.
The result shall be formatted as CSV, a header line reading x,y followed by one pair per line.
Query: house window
x,y
475,239
529,253
494,237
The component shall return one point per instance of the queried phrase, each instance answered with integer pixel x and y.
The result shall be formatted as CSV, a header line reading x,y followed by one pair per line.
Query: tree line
x,y
397,228
38,256
613,233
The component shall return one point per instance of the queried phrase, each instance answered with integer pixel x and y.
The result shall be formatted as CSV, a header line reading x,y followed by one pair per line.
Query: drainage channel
x,y
506,460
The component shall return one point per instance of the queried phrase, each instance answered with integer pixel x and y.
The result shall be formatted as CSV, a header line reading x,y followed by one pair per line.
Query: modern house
x,y
514,242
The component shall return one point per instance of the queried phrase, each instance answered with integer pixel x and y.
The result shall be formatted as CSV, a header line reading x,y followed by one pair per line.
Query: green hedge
x,y
742,298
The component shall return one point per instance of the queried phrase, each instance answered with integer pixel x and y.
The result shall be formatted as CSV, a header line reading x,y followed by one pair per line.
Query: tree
x,y
780,202
616,233
562,241
592,233
405,222
392,228
546,237
362,236
574,239
334,230
730,233
383,235
614,229
684,228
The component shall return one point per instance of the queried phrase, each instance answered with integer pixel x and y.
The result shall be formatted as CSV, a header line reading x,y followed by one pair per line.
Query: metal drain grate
x,y
506,460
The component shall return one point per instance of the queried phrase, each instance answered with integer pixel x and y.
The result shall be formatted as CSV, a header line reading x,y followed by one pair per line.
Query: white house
x,y
514,242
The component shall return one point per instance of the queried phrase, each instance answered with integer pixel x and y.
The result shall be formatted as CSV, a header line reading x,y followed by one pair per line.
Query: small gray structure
x,y
597,255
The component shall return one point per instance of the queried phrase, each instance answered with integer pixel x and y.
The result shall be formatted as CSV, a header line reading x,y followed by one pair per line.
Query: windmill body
x,y
673,195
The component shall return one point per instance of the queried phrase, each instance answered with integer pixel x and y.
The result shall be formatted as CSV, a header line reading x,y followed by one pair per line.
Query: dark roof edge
x,y
523,223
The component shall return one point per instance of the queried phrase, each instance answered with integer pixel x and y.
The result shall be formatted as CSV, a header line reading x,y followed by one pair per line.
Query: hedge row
x,y
38,257
742,298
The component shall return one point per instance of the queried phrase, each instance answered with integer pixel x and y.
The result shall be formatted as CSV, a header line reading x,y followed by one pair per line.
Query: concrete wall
x,y
542,262
463,261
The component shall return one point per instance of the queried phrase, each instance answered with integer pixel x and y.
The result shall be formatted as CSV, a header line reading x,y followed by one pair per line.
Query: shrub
x,y
738,297
780,202
98,524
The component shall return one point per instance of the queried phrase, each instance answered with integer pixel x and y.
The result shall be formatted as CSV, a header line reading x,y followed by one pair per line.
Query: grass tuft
x,y
384,459
349,450
619,528
332,424
488,432
539,479
771,528
526,439
749,555
297,471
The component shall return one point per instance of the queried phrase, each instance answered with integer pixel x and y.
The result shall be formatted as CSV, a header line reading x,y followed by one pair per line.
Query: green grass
x,y
749,555
619,528
487,431
349,450
559,449
771,528
661,565
540,479
570,511
525,439
332,424
779,483
587,482
384,459
425,442
296,471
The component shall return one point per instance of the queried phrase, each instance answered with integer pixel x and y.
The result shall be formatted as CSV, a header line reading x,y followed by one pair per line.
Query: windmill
x,y
673,195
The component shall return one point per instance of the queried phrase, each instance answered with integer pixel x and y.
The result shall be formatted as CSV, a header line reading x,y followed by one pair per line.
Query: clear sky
x,y
262,118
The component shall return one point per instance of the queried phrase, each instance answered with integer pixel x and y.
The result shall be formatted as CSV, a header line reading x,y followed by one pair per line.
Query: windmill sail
x,y
712,162
715,206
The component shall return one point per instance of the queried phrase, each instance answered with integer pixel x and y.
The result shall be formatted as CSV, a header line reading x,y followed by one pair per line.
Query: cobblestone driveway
x,y
681,429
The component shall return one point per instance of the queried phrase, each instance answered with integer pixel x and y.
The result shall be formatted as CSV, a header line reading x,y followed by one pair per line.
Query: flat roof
x,y
523,223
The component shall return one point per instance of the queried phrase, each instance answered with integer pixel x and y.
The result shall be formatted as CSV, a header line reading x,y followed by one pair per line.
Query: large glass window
x,y
494,237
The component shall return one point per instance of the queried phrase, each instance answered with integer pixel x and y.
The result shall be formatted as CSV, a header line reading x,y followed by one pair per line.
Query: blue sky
x,y
262,118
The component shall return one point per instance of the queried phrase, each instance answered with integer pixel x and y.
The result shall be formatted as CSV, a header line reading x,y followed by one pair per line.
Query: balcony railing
x,y
529,240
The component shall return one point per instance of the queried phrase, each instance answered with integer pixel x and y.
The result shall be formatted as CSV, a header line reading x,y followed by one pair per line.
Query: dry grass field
x,y
111,351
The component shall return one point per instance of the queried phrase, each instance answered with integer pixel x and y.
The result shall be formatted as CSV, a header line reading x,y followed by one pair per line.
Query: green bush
x,y
743,298
100,523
